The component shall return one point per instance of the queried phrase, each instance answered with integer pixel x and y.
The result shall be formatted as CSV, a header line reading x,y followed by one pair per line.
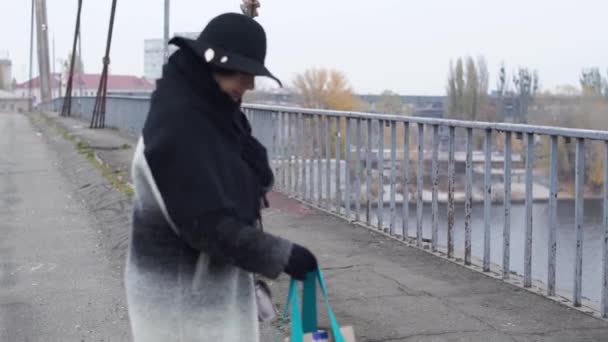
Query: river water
x,y
566,239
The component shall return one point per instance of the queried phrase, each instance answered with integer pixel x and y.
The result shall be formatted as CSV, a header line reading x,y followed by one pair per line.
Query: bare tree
x,y
501,90
526,86
593,83
451,92
459,73
78,65
484,83
471,90
467,90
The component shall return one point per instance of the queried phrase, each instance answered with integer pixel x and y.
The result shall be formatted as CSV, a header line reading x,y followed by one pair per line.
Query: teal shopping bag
x,y
306,322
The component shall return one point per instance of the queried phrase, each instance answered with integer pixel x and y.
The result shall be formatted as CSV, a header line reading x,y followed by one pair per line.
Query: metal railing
x,y
127,113
530,233
337,161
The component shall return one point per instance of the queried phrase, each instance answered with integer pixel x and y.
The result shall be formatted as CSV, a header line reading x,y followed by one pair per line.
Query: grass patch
x,y
125,146
115,177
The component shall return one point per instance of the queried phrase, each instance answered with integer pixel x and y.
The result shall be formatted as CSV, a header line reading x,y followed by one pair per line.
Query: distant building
x,y
429,112
6,74
87,85
10,102
22,89
153,55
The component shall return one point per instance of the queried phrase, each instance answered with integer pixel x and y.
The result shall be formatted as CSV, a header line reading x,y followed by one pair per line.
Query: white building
x,y
153,55
11,103
6,77
86,85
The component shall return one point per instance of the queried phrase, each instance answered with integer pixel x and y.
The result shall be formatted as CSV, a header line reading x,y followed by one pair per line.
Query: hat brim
x,y
225,60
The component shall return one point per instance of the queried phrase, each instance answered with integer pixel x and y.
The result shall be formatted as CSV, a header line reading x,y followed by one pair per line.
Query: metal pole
x,y
53,70
81,72
435,182
67,101
579,181
43,50
99,111
166,31
31,56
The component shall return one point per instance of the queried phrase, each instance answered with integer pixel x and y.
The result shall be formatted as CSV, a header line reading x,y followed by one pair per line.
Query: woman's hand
x,y
301,262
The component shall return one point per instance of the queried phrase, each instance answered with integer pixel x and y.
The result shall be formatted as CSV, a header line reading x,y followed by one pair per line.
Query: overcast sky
x,y
405,46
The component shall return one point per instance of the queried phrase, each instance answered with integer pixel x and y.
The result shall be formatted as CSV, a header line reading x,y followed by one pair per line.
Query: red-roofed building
x,y
87,85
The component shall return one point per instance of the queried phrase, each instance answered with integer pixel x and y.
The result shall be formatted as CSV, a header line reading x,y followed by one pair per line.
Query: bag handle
x,y
298,324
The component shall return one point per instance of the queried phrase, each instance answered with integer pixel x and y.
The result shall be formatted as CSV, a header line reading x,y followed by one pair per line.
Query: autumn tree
x,y
327,89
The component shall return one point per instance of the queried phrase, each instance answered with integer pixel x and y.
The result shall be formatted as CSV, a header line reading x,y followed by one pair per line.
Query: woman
x,y
199,181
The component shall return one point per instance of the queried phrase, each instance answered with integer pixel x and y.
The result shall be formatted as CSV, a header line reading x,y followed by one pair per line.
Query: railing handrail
x,y
495,126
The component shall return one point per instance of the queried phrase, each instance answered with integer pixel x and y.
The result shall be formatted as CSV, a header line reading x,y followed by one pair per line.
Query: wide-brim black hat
x,y
231,41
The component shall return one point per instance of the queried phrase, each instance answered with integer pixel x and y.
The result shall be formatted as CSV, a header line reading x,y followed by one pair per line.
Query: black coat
x,y
199,176
197,142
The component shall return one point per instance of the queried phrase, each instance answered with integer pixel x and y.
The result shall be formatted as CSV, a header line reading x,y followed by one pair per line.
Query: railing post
x,y
451,192
338,153
468,206
347,151
604,301
289,153
435,189
393,174
275,142
286,150
380,209
300,157
506,232
579,179
328,162
420,183
304,158
487,201
552,243
368,170
528,214
281,151
319,160
358,170
406,180
311,161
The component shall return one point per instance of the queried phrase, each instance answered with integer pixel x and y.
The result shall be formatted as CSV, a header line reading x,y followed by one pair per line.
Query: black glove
x,y
301,262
